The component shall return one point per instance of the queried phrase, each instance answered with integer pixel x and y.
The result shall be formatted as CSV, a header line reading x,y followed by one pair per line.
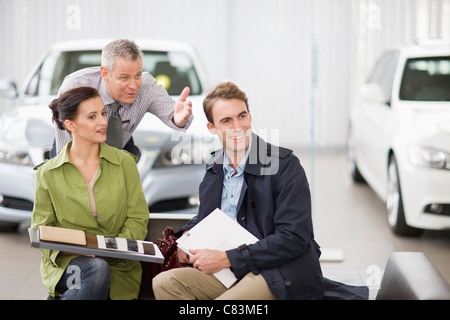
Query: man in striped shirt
x,y
121,78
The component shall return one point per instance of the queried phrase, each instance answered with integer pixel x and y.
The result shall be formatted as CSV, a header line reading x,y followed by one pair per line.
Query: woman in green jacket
x,y
93,187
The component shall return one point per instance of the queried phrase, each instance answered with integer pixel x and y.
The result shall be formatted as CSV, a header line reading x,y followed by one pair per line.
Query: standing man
x,y
121,79
264,188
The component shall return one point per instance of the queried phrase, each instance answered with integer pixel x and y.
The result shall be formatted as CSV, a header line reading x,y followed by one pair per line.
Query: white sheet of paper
x,y
217,231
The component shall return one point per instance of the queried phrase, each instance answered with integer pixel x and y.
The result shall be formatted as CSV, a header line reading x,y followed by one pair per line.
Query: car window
x,y
426,79
384,71
69,62
173,71
39,84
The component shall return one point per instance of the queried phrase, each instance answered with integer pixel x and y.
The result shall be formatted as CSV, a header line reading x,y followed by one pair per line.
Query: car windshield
x,y
173,70
426,79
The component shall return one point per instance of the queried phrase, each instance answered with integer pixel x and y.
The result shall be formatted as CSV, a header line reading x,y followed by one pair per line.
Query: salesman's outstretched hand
x,y
183,109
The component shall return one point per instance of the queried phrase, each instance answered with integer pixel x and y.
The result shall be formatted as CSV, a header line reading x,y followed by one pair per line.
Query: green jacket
x,y
61,199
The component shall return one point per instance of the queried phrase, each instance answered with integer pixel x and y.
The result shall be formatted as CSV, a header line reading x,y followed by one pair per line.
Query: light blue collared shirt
x,y
232,185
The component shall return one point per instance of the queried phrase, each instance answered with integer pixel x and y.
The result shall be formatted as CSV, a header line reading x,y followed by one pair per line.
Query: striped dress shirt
x,y
152,97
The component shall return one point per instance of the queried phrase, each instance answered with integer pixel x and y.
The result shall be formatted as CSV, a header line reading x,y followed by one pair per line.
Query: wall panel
x,y
300,62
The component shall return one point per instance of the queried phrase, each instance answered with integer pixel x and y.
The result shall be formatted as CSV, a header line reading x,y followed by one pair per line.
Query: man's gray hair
x,y
124,48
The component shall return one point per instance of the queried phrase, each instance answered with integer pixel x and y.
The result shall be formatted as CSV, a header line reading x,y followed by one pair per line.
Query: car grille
x,y
16,203
161,206
171,205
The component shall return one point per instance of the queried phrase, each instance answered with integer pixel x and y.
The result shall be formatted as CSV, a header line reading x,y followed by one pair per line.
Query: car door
x,y
374,133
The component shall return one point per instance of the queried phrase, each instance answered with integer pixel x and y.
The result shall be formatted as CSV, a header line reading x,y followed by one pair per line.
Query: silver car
x,y
172,163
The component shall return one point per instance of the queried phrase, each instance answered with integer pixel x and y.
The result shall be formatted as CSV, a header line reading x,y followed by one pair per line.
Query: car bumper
x,y
422,187
16,193
173,190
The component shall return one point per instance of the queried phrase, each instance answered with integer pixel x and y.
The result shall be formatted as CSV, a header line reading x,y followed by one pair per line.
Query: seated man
x,y
264,188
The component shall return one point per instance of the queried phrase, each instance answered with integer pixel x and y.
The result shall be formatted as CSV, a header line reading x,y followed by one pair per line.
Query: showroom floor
x,y
349,225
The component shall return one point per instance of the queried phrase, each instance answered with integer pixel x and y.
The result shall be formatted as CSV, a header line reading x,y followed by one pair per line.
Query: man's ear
x,y
104,73
211,128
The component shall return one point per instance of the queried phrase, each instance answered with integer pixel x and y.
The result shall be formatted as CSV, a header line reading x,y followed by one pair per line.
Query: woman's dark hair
x,y
65,107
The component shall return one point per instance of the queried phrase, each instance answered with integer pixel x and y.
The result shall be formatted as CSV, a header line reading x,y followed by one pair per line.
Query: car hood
x,y
198,128
28,125
432,123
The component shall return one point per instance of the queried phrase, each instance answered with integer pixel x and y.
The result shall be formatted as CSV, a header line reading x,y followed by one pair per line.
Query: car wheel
x,y
394,204
352,167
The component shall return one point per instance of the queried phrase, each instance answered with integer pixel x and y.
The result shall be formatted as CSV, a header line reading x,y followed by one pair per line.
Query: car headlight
x,y
184,153
429,157
10,154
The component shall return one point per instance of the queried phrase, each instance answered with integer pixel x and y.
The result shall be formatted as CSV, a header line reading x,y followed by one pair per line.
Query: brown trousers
x,y
192,284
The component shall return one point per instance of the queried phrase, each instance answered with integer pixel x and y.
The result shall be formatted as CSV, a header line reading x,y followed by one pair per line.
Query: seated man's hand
x,y
183,257
208,260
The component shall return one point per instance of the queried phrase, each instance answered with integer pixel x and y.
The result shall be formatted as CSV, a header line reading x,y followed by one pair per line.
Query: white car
x,y
171,164
399,137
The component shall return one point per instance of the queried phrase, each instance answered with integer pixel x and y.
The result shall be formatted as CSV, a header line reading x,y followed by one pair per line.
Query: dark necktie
x,y
114,133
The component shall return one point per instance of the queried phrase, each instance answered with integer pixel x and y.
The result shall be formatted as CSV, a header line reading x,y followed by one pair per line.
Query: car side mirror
x,y
38,133
8,89
374,93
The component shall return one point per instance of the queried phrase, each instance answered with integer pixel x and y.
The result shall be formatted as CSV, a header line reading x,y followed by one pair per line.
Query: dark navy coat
x,y
275,206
